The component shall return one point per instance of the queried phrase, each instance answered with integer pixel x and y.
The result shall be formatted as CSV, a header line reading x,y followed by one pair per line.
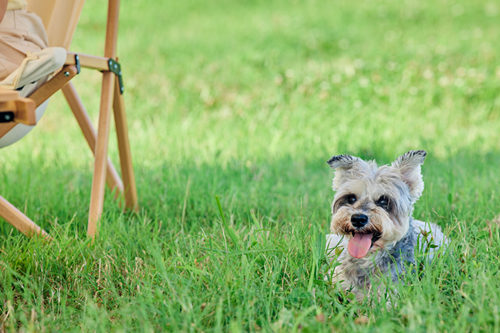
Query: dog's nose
x,y
359,220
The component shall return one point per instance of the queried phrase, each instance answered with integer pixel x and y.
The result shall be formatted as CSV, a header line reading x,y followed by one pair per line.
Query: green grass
x,y
244,101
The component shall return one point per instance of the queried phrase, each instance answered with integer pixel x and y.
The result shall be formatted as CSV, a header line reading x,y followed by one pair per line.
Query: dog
x,y
372,224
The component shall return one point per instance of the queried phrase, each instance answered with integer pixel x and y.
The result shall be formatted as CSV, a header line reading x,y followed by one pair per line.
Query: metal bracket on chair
x,y
6,117
77,64
115,67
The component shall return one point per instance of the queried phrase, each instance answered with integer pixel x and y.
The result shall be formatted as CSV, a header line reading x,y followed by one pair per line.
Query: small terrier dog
x,y
372,219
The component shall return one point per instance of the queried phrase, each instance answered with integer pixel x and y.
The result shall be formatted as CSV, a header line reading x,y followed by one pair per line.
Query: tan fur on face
x,y
380,221
341,222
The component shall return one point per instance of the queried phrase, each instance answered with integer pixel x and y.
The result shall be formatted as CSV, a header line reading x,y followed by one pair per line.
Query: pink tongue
x,y
359,245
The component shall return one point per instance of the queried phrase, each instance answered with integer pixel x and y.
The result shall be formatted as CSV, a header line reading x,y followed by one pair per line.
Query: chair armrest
x,y
23,110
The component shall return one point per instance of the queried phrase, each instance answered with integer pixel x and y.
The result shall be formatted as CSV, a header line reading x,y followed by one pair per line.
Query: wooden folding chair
x,y
60,18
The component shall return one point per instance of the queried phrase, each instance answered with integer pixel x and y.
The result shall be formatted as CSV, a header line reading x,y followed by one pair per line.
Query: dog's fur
x,y
384,198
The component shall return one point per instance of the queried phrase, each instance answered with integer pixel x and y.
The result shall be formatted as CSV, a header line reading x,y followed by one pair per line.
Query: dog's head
x,y
372,205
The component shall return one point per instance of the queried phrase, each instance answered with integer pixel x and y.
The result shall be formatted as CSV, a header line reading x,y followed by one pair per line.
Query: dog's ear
x,y
345,166
342,161
408,166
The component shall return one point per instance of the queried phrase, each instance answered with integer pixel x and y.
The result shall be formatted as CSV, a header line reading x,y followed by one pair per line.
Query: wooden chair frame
x,y
111,98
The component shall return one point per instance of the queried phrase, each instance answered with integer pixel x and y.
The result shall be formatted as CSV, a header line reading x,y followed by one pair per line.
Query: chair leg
x,y
101,153
20,221
112,178
124,149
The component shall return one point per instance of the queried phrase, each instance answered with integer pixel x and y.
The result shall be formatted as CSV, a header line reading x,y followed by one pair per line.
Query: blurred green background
x,y
246,100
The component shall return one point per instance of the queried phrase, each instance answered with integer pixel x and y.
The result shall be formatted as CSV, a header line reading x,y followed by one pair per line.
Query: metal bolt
x,y
66,74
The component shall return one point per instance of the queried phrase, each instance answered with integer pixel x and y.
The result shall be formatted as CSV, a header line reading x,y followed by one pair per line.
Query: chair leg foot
x,y
20,221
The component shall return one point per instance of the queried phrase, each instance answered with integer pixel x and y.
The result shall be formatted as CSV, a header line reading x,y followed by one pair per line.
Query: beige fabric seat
x,y
21,33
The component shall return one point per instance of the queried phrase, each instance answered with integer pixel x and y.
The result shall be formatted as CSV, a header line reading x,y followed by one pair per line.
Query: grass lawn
x,y
241,103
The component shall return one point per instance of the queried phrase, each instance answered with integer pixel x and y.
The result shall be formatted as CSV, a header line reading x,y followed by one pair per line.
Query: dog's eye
x,y
351,198
383,202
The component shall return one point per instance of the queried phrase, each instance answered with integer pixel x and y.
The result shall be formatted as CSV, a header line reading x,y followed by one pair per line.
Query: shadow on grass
x,y
283,190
